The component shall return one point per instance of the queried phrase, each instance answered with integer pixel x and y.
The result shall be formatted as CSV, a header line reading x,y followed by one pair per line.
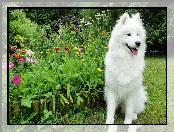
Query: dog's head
x,y
132,33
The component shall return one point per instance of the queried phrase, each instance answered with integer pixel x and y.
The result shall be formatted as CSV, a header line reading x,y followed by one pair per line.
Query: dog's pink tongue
x,y
134,51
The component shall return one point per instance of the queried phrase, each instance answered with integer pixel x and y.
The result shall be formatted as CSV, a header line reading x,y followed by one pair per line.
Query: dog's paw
x,y
127,121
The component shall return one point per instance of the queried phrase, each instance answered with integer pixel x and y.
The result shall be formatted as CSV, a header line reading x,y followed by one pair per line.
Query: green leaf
x,y
71,99
79,100
15,92
47,113
26,102
41,101
32,115
68,90
47,76
63,99
49,94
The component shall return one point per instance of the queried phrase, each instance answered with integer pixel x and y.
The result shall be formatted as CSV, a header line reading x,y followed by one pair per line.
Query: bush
x,y
22,32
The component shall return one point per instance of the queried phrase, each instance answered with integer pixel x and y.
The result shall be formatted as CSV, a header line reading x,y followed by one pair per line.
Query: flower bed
x,y
64,72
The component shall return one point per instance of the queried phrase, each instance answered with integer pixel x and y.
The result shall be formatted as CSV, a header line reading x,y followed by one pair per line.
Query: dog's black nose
x,y
137,43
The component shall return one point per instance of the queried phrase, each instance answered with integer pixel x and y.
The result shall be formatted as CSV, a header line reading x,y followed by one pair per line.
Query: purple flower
x,y
21,60
11,64
16,79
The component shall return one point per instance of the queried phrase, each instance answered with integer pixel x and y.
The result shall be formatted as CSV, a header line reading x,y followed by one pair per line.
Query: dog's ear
x,y
137,17
124,18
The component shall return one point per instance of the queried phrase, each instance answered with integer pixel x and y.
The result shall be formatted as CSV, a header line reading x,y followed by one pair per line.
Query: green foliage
x,y
21,28
154,21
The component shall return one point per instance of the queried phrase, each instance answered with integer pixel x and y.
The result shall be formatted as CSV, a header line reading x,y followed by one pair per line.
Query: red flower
x,y
13,55
19,56
16,79
67,48
14,47
56,49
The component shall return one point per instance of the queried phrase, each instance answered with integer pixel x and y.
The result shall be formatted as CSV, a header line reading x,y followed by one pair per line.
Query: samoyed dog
x,y
125,63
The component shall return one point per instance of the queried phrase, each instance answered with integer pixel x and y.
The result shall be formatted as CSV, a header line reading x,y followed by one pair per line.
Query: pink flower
x,y
31,60
79,49
34,60
21,60
76,29
11,64
27,59
16,79
4,65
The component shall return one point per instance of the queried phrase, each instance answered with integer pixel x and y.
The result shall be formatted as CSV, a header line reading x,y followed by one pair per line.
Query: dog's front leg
x,y
129,113
111,107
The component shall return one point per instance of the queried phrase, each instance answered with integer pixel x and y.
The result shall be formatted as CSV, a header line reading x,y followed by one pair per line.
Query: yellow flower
x,y
77,53
24,50
66,52
103,33
95,42
41,52
106,47
75,48
89,40
95,58
99,69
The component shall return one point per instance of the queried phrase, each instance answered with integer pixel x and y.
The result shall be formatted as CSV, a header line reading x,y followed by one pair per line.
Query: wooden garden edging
x,y
91,101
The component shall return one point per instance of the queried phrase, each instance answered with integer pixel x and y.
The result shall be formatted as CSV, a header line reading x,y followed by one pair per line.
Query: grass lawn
x,y
155,111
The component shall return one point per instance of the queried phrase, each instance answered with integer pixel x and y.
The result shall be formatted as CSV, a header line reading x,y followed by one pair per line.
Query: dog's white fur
x,y
124,70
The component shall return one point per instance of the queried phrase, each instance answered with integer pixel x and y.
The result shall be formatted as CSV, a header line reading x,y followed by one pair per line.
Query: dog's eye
x,y
137,34
128,34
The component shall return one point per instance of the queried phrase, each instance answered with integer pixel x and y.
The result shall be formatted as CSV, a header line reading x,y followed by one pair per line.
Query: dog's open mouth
x,y
133,50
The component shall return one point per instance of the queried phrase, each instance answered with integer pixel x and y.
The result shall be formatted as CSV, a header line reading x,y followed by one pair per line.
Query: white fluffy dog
x,y
124,70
